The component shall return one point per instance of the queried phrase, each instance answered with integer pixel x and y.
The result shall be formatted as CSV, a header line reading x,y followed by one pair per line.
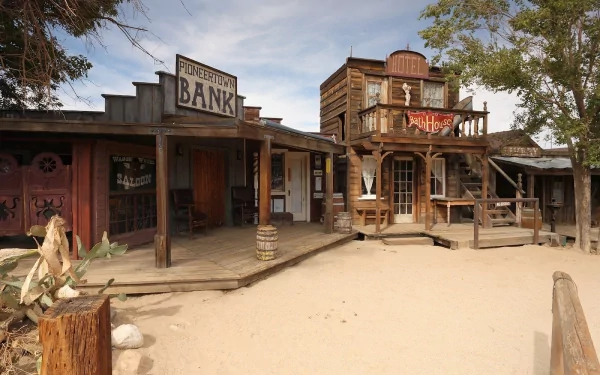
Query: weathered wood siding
x,y
356,91
334,95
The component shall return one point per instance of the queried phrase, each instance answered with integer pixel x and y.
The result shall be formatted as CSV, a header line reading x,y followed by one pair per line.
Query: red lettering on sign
x,y
430,122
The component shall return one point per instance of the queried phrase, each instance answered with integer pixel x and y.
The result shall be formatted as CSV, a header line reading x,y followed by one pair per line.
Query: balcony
x,y
396,121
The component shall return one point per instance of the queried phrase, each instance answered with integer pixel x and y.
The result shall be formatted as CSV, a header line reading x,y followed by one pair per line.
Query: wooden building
x,y
134,169
415,152
546,174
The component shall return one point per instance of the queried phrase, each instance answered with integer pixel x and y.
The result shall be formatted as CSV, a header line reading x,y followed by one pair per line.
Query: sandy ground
x,y
367,308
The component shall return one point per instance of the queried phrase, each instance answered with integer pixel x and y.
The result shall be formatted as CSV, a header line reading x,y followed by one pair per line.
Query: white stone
x,y
128,363
127,336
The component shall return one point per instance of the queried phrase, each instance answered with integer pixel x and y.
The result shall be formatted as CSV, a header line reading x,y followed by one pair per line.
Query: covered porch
x,y
224,259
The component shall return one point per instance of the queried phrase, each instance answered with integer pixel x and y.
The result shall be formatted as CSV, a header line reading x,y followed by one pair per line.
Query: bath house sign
x,y
430,122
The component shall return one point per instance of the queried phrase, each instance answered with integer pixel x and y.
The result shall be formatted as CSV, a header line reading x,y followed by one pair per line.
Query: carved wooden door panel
x,y
49,193
12,220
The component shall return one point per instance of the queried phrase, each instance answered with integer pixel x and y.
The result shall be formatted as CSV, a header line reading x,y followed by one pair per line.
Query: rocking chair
x,y
186,212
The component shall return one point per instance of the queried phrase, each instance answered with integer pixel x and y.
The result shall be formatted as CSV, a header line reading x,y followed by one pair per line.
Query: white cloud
x,y
280,50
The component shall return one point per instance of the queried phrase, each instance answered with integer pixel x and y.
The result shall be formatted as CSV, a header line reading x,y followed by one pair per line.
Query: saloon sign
x,y
430,122
202,88
132,173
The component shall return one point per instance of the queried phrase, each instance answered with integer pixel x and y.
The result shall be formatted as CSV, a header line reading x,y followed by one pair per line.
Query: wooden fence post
x,y
572,350
75,334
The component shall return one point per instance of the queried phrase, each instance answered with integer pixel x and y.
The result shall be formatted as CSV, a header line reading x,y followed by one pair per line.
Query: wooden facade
x,y
116,171
408,134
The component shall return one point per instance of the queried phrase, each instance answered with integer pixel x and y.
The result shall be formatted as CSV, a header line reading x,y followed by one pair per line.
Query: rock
x,y
113,313
128,363
127,336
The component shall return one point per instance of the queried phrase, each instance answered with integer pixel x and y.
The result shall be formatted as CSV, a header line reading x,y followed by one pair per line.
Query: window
x,y
373,93
438,177
132,198
433,94
558,191
277,172
369,169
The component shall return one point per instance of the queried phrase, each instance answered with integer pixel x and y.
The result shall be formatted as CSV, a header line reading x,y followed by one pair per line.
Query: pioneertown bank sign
x,y
202,88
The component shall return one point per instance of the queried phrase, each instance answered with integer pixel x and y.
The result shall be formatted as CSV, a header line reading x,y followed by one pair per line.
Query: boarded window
x,y
433,94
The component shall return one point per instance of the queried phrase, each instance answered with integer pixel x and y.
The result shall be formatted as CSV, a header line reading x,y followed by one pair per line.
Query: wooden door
x,y
403,190
209,184
296,186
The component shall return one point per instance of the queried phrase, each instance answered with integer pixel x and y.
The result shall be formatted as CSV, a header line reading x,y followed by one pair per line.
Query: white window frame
x,y
363,180
423,98
433,180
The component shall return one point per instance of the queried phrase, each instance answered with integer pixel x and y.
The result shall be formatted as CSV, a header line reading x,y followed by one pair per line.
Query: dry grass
x,y
20,349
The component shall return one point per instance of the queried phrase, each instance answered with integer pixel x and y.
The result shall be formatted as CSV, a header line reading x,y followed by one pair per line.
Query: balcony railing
x,y
397,121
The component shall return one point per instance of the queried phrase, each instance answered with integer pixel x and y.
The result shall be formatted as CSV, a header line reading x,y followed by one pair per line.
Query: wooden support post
x,y
530,189
162,239
485,179
255,171
519,205
328,220
485,119
428,191
377,155
572,350
264,202
75,334
82,195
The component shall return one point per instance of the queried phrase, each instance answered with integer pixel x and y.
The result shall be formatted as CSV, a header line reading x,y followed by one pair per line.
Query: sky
x,y
280,50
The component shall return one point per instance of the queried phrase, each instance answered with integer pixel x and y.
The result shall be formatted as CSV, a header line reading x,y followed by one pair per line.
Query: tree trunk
x,y
583,212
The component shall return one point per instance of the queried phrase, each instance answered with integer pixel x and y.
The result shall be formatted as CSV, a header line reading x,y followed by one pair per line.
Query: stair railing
x,y
536,229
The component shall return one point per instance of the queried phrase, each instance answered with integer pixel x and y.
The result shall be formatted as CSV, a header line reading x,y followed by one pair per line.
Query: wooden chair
x,y
186,212
243,204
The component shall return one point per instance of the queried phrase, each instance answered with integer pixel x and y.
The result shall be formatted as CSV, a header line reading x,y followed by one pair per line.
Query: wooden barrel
x,y
338,206
344,221
266,242
527,218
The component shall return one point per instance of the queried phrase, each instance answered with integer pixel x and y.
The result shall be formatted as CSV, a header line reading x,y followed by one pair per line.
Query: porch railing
x,y
396,120
482,211
572,350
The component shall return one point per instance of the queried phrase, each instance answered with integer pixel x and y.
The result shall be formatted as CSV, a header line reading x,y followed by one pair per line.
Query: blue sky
x,y
281,51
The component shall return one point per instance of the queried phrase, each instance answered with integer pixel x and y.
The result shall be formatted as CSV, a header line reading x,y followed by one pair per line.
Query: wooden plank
x,y
75,337
572,350
162,239
264,201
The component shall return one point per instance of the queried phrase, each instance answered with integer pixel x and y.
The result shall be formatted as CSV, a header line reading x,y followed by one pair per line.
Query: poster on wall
x,y
318,162
129,173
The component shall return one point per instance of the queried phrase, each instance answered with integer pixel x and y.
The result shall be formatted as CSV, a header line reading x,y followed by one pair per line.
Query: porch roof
x,y
543,164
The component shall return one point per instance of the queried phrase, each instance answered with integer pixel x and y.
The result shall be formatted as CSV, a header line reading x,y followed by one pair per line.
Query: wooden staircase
x,y
471,185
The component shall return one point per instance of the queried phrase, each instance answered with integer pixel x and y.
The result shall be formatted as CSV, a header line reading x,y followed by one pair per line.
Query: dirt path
x,y
366,308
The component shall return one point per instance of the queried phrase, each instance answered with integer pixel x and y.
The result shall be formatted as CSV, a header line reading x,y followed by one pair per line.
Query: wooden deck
x,y
225,259
459,236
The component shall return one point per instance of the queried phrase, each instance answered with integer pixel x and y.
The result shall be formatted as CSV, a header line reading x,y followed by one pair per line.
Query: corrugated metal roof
x,y
537,163
276,125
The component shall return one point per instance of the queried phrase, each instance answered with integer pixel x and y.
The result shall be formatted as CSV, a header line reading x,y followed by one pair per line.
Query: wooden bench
x,y
370,212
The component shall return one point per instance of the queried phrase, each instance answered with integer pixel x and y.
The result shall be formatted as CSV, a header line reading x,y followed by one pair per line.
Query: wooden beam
x,y
82,195
121,128
434,140
259,132
162,239
485,179
377,155
531,189
264,200
328,220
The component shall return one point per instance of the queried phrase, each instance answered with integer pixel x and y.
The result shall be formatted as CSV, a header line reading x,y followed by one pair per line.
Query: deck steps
x,y
423,241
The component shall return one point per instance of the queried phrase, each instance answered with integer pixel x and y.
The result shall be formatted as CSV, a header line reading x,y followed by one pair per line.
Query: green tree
x,y
33,60
544,51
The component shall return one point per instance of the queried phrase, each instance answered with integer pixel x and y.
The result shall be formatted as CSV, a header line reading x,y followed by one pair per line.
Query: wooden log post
x,y
572,350
485,179
377,155
162,239
531,189
328,217
264,201
75,334
255,171
519,205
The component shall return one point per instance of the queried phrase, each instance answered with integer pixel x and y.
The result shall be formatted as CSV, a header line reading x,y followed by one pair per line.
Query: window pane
x,y
433,94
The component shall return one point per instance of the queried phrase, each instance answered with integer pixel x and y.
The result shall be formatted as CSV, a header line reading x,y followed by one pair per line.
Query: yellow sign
x,y
328,165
